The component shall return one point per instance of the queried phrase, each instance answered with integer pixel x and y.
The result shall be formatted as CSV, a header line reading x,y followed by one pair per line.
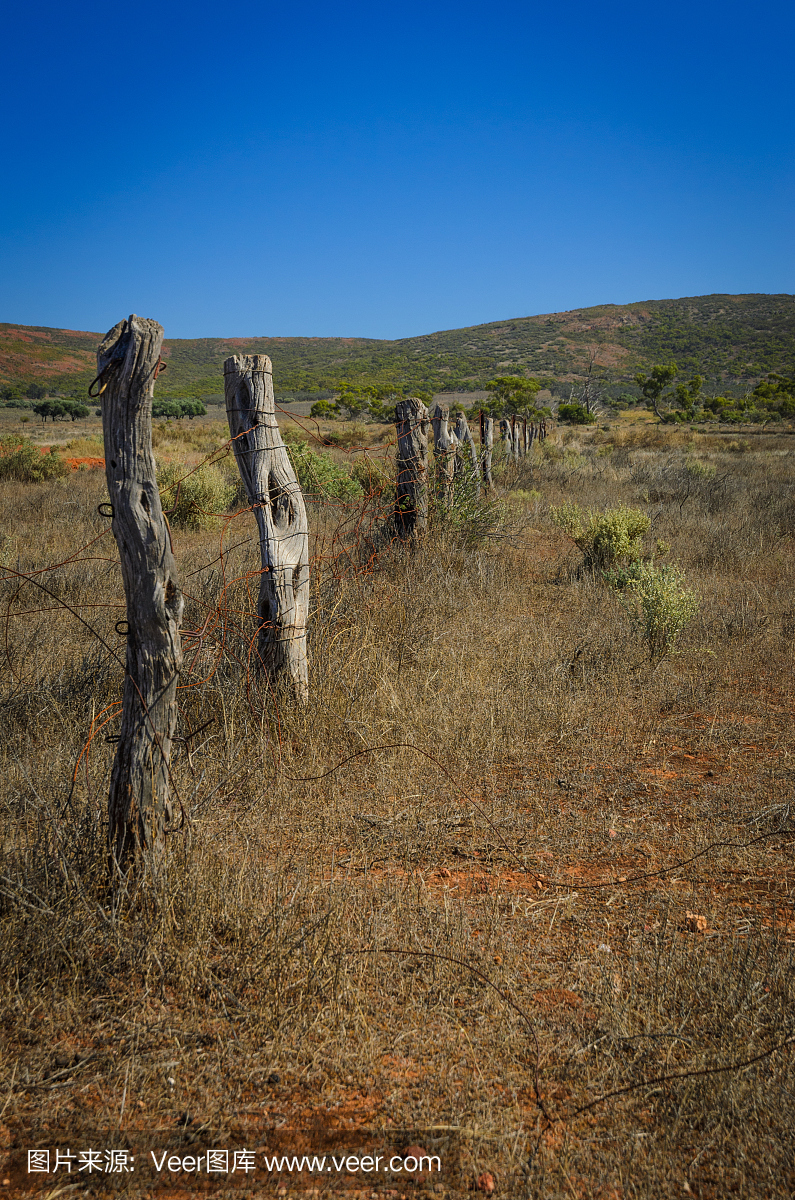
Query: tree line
x,y
509,395
681,402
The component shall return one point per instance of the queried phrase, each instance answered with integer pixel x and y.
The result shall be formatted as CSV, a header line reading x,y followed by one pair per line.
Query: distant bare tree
x,y
589,393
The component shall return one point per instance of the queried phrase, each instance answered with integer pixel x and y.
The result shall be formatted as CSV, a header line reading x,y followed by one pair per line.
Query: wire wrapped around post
x,y
411,493
506,438
465,439
139,804
278,505
445,446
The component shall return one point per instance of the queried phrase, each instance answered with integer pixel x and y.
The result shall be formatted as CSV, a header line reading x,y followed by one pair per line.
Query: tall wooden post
x,y
139,807
505,435
516,437
486,448
275,496
411,496
465,439
444,449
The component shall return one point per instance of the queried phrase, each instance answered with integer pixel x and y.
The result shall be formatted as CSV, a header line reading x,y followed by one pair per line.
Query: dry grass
x,y
459,889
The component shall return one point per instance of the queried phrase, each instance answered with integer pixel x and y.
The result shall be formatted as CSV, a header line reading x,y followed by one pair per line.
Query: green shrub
x,y
656,601
573,461
353,434
604,538
374,475
575,414
12,395
701,470
24,462
324,409
471,519
194,499
319,476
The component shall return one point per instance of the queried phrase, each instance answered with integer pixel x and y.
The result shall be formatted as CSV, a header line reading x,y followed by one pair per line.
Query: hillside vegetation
x,y
730,340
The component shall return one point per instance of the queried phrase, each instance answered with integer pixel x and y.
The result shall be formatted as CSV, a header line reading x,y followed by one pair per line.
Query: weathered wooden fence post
x,y
505,436
445,444
139,807
516,436
411,494
486,448
464,435
275,496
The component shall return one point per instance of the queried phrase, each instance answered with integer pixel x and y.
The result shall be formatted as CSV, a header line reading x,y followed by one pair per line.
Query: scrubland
x,y
510,888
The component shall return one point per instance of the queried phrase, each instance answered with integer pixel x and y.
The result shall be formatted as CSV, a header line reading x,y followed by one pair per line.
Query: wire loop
x,y
111,366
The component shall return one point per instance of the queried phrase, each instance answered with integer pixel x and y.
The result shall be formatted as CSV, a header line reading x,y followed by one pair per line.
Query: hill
x,y
731,340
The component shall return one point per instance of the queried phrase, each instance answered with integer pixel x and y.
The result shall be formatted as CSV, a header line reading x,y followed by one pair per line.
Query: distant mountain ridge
x,y
731,340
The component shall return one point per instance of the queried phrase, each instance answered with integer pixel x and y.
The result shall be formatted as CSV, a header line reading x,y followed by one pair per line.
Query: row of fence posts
x,y
140,809
518,434
129,359
454,453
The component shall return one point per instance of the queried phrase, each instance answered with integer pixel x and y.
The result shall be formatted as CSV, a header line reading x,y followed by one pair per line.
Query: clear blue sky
x,y
385,170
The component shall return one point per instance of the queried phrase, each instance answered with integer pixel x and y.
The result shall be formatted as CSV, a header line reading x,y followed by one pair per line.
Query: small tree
x,y
382,408
75,410
50,408
688,396
667,401
655,388
355,402
775,394
588,396
324,409
166,408
193,408
513,394
176,409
